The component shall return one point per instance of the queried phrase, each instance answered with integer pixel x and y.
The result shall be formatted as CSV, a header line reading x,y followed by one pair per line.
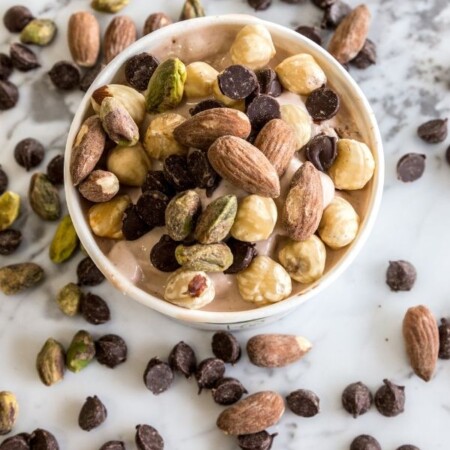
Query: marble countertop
x,y
355,325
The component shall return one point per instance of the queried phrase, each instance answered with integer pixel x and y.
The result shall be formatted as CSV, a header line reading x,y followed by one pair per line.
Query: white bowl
x,y
350,94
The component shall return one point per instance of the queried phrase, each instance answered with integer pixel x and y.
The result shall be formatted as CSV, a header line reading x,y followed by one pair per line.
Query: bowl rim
x,y
121,282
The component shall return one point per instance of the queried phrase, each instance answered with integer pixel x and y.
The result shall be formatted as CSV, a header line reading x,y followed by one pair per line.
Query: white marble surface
x,y
355,325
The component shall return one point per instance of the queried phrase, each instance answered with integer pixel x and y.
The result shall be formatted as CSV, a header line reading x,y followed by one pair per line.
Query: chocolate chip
x,y
55,170
43,440
23,58
411,167
366,57
292,2
322,104
9,95
408,447
147,438
261,110
6,66
29,153
111,350
65,75
444,339
365,442
204,105
3,181
209,372
88,273
162,255
93,413
335,14
243,254
260,5
321,151
158,376
139,69
323,4
269,84
113,445
177,173
237,82
400,275
182,359
311,33
90,75
201,170
17,18
228,391
256,441
94,309
226,347
357,399
156,181
433,131
18,442
151,208
9,241
133,227
303,403
390,399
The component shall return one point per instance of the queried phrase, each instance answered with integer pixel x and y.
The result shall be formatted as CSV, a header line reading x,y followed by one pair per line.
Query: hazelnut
x,y
200,77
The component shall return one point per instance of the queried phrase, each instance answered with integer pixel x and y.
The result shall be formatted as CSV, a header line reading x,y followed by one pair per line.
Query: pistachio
x,y
109,6
44,198
18,277
80,352
100,186
38,32
181,213
118,123
9,209
207,258
217,219
69,299
65,241
50,362
166,86
191,10
9,410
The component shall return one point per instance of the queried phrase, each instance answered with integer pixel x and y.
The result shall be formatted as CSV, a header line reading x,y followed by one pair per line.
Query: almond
x,y
253,414
243,165
277,141
276,350
421,335
350,35
205,127
303,208
120,34
83,37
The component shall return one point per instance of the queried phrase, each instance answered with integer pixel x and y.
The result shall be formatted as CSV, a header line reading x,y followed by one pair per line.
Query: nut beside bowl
x,y
291,42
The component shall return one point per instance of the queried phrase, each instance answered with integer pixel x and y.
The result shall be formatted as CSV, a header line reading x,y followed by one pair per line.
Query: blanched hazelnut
x,y
199,80
300,120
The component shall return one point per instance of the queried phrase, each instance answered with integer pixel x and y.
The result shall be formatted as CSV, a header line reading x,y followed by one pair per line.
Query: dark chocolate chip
x,y
256,441
182,359
322,104
269,84
177,173
9,241
447,155
65,75
43,440
156,181
162,255
366,57
259,5
209,372
357,399
444,339
201,170
23,58
390,399
228,391
292,2
133,227
335,14
111,350
365,442
321,151
226,347
91,74
158,376
261,110
303,403
113,445
88,273
29,153
433,131
243,254
401,275
323,4
151,208
93,413
408,447
18,442
204,105
411,167
147,438
3,181
6,66
237,82
9,95
55,170
94,309
17,18
139,69
311,33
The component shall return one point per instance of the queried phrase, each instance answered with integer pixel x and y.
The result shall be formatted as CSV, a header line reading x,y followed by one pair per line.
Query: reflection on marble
x,y
355,325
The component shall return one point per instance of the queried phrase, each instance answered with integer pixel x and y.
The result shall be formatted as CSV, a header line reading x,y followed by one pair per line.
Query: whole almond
x,y
276,350
303,207
278,142
350,35
421,335
83,36
243,165
120,34
100,186
201,130
155,22
253,414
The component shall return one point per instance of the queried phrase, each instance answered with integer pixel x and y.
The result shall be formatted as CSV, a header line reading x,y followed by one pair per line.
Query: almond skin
x,y
303,208
100,186
204,128
253,414
276,350
83,37
421,335
120,34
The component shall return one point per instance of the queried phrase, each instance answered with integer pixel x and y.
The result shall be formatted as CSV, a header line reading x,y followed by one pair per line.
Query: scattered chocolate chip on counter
x,y
228,391
111,350
357,399
88,273
113,445
3,181
158,376
311,33
17,18
390,399
55,170
303,403
29,153
65,75
43,440
256,441
23,58
18,442
94,309
10,240
209,372
401,275
335,13
92,414
365,442
366,57
260,5
408,447
9,95
433,131
6,66
444,339
182,359
147,438
226,347
411,167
